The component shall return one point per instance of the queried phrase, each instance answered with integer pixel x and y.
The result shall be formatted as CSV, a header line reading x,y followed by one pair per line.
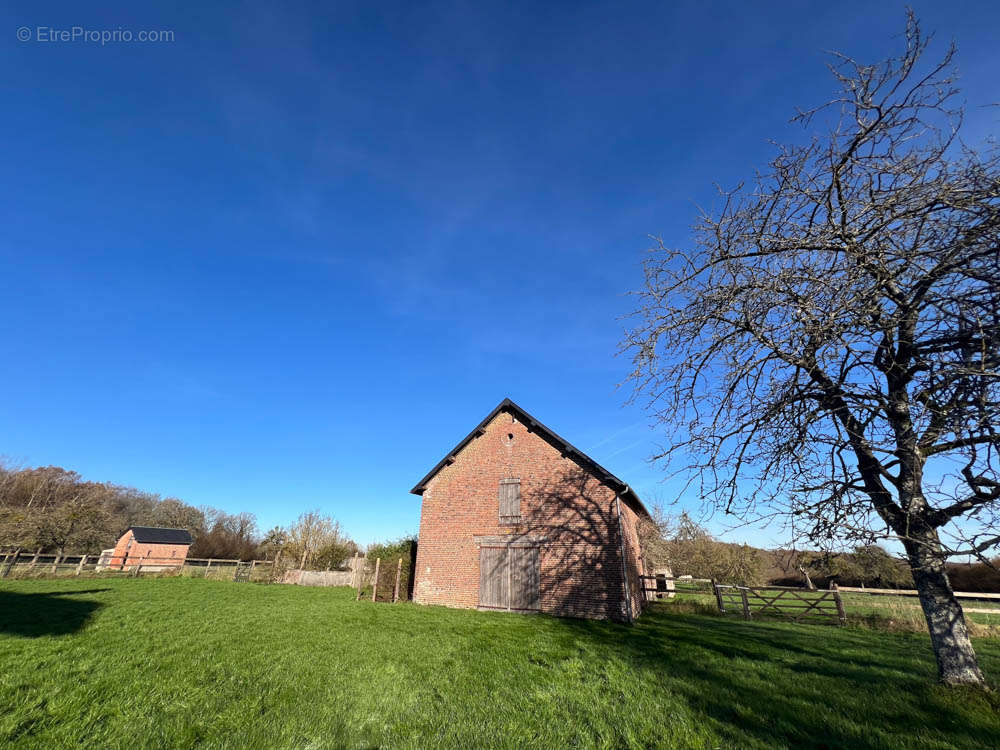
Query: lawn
x,y
176,663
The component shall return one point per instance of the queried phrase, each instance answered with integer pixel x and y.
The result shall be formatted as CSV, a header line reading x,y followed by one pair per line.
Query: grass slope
x,y
176,663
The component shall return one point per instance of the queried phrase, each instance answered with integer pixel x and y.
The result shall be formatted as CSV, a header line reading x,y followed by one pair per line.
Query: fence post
x,y
35,558
138,570
746,604
395,591
718,597
10,564
208,567
55,563
79,568
253,564
360,579
841,614
378,562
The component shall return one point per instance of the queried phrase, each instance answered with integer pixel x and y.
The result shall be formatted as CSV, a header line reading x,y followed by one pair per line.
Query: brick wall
x,y
159,555
633,556
581,558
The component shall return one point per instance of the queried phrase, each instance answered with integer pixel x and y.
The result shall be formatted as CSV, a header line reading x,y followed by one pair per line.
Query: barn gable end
x,y
516,518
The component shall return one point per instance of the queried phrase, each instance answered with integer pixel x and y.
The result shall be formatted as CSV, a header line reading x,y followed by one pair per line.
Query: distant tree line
x,y
868,565
57,511
680,543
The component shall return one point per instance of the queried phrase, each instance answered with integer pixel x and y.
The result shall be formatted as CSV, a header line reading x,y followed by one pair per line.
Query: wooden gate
x,y
242,572
800,605
509,578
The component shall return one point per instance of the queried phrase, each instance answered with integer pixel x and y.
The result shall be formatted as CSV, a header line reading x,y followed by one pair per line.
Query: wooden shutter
x,y
510,501
494,591
523,562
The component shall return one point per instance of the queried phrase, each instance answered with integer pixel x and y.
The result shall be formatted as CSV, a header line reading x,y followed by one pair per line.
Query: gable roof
x,y
507,405
156,535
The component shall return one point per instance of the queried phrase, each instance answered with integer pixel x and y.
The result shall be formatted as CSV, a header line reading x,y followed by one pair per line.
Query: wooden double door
x,y
509,578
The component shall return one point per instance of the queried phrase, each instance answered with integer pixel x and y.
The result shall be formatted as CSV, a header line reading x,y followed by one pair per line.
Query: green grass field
x,y
176,663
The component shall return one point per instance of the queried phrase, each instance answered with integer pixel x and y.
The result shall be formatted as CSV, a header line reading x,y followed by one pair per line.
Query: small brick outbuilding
x,y
515,518
152,547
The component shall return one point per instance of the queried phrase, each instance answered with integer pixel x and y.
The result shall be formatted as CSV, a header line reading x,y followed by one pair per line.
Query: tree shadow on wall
x,y
51,613
581,556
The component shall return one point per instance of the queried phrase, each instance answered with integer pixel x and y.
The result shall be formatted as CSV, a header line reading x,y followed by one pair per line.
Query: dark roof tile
x,y
155,535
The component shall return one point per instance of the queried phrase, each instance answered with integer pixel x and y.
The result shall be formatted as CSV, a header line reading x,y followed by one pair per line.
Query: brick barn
x,y
152,547
515,518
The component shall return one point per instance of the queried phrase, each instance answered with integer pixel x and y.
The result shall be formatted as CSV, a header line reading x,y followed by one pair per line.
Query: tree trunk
x,y
956,659
809,581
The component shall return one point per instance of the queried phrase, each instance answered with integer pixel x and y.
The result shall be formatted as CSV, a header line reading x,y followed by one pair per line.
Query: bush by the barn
x,y
389,555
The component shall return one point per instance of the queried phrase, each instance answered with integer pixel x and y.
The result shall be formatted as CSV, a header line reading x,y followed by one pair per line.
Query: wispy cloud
x,y
615,435
628,447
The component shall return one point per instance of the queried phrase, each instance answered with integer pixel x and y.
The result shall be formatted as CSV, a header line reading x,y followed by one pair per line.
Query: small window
x,y
510,501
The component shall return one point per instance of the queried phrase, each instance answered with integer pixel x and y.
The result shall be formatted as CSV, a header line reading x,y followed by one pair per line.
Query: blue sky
x,y
289,259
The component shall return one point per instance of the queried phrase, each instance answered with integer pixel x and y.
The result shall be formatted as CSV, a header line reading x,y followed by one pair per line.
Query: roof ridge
x,y
164,528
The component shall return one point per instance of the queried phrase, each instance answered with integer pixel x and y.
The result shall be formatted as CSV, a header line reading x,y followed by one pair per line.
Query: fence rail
x,y
971,597
913,592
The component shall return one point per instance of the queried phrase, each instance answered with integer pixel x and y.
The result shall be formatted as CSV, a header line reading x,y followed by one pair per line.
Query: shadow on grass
x,y
50,613
801,688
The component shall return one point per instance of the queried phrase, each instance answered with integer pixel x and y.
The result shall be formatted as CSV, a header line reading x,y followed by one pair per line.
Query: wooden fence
x,y
383,581
38,565
990,598
797,604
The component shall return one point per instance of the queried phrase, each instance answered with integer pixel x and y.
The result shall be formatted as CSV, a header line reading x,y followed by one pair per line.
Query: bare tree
x,y
827,350
226,535
312,533
687,548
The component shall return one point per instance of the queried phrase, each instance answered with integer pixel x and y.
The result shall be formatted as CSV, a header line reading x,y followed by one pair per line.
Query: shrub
x,y
390,553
